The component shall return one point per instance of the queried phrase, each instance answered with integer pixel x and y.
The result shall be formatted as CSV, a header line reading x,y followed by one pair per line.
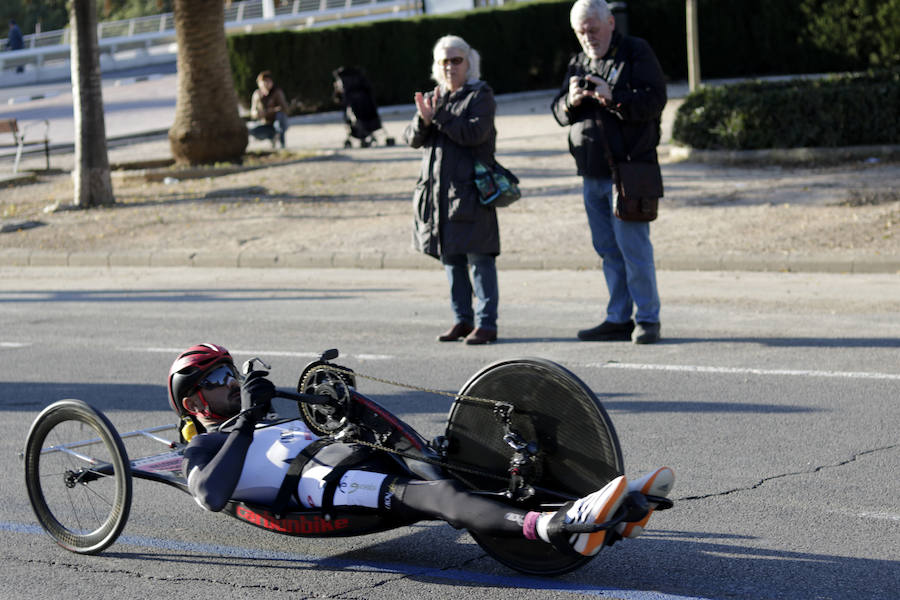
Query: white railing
x,y
152,39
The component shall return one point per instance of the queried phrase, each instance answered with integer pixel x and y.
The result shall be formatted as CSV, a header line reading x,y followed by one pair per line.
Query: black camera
x,y
587,84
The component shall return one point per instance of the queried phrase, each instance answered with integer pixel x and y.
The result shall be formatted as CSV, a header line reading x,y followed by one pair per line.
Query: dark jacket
x,y
14,40
631,122
449,219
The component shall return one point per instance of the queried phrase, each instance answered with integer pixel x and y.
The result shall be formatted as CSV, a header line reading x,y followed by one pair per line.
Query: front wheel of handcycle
x,y
78,476
577,450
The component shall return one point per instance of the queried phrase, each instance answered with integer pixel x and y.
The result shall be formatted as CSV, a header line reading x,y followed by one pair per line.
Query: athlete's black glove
x,y
256,394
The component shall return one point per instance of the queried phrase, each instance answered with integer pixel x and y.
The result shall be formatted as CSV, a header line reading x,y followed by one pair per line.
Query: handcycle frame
x,y
525,431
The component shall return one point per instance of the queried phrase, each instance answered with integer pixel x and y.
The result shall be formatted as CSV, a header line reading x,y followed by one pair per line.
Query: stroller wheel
x,y
348,143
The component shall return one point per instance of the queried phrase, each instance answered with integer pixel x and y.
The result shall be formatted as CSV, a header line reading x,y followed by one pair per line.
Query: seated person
x,y
268,106
246,463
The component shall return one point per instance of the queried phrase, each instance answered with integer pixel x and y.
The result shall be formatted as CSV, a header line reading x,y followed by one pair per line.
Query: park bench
x,y
19,140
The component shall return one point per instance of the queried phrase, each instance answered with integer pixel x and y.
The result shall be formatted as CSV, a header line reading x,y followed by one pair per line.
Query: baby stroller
x,y
353,91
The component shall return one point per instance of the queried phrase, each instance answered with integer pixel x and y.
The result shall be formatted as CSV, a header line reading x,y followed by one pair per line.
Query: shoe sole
x,y
629,530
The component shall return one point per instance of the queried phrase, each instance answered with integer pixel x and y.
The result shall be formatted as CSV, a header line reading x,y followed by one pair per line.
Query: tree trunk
x,y
207,127
91,172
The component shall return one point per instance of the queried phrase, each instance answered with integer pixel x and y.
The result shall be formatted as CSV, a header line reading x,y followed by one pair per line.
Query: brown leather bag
x,y
638,185
639,188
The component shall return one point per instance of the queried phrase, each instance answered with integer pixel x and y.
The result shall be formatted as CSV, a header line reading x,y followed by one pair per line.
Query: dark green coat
x,y
449,219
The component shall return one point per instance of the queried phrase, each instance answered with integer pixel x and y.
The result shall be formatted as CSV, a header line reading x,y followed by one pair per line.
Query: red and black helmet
x,y
189,368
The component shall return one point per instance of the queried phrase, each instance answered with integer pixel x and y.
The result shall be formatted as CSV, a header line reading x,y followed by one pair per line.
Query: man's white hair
x,y
472,56
583,10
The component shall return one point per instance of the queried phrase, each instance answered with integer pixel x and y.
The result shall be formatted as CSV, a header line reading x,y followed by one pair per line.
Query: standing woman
x,y
454,125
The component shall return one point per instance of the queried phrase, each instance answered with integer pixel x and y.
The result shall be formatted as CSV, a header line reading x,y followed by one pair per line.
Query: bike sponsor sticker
x,y
300,524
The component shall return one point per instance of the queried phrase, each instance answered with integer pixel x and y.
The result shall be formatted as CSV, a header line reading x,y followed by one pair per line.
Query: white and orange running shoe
x,y
655,483
598,507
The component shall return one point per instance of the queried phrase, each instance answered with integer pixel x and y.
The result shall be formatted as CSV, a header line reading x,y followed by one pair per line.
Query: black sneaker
x,y
645,333
607,332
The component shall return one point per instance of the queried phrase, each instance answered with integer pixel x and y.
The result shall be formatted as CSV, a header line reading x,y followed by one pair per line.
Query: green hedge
x,y
835,111
522,47
737,37
525,46
772,37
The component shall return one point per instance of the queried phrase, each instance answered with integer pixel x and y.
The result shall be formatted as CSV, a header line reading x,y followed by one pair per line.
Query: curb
x,y
17,178
785,156
19,257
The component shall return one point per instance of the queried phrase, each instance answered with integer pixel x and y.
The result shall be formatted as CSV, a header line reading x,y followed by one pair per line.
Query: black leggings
x,y
407,500
449,501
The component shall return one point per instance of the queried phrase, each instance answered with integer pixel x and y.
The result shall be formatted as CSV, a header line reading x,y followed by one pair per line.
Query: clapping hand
x,y
426,106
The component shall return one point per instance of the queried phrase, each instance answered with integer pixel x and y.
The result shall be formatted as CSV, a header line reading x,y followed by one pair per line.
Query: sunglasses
x,y
453,60
218,377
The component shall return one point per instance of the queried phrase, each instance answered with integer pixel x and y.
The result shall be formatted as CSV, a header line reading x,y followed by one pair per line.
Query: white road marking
x,y
265,353
882,516
746,371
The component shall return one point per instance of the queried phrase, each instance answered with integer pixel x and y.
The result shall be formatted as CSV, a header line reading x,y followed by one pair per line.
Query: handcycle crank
x,y
521,464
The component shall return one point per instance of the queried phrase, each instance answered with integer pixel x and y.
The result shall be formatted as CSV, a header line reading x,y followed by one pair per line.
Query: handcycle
x,y
525,431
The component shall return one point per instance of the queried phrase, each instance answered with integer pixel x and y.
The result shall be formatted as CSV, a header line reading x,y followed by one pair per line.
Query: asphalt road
x,y
773,396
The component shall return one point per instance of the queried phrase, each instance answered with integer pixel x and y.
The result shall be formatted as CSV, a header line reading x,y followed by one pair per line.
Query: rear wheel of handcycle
x,y
578,452
78,476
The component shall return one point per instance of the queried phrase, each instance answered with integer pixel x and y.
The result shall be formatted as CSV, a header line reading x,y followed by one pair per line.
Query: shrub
x,y
844,110
525,46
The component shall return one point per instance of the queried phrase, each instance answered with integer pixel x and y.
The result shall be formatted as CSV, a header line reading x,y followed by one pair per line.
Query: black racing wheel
x,y
78,476
577,451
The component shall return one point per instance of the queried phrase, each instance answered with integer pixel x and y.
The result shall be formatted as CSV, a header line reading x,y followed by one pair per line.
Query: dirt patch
x,y
358,200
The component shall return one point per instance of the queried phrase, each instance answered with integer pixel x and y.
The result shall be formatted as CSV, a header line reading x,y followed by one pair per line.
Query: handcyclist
x,y
245,463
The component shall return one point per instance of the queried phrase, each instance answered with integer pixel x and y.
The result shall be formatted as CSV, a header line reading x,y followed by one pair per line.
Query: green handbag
x,y
497,186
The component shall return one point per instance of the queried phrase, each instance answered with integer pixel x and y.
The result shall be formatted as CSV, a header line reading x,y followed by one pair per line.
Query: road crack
x,y
766,480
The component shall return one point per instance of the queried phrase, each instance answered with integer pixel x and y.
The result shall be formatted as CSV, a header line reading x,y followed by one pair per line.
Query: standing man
x,y
614,88
15,41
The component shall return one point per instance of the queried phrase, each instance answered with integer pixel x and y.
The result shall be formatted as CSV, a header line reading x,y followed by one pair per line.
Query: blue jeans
x,y
269,132
627,256
483,283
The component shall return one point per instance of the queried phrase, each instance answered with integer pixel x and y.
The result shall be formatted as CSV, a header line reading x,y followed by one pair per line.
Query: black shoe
x,y
607,332
645,333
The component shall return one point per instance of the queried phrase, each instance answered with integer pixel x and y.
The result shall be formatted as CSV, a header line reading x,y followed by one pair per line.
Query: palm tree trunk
x,y
93,186
207,127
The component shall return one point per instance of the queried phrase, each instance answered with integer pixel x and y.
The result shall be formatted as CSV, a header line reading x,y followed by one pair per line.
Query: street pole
x,y
693,45
268,7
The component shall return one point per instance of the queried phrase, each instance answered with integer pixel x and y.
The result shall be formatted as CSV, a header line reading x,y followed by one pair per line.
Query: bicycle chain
x,y
408,386
421,458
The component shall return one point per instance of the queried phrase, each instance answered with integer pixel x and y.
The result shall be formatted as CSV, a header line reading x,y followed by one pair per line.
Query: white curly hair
x,y
583,10
472,56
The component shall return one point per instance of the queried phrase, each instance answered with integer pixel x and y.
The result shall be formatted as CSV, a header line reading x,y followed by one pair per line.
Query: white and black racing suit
x,y
249,464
